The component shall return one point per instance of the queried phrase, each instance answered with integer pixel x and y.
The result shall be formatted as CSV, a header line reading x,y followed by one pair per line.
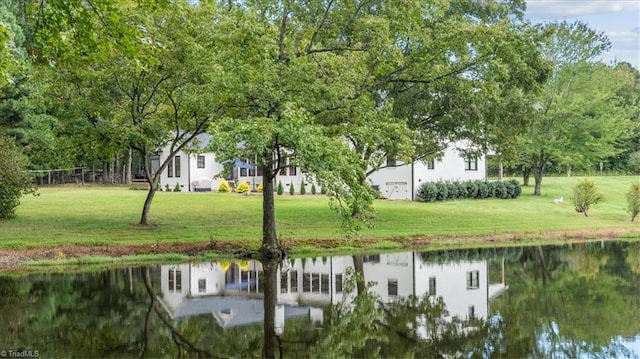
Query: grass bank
x,y
94,215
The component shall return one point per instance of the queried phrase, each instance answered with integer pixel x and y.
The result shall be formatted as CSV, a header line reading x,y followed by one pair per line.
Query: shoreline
x,y
16,260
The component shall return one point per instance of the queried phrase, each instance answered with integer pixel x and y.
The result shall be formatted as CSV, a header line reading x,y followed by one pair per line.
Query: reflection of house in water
x,y
232,292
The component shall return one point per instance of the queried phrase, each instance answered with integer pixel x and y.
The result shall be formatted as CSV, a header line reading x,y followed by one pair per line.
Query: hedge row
x,y
442,191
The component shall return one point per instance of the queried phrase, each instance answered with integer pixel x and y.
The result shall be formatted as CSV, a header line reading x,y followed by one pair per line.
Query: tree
x,y
15,181
580,114
155,85
633,200
585,194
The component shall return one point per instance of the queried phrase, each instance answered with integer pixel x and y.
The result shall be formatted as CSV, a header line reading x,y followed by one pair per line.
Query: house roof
x,y
232,311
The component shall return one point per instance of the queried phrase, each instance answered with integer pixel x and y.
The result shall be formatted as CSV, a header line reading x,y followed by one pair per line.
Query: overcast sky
x,y
618,19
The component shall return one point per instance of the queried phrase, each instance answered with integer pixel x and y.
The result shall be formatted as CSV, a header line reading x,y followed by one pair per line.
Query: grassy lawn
x,y
108,215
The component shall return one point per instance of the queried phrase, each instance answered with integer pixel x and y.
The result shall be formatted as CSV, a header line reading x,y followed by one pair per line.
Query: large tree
x,y
580,113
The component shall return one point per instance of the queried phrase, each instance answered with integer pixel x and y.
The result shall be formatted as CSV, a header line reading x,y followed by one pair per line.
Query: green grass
x,y
108,215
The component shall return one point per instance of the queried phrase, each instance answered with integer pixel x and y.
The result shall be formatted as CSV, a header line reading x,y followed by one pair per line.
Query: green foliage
x,y
633,200
313,188
280,189
440,191
14,178
177,187
224,187
585,194
634,162
243,187
260,188
303,188
292,189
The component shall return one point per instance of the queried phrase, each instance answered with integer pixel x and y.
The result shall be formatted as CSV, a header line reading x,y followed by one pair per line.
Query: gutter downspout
x,y
413,188
189,173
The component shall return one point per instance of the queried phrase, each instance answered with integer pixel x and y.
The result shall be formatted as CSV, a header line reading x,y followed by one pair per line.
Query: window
x,y
178,280
392,288
172,280
324,283
473,280
431,164
315,283
471,312
284,278
306,282
252,171
432,285
470,164
293,171
202,285
243,172
200,161
338,283
260,171
177,169
391,162
294,281
170,169
374,258
282,163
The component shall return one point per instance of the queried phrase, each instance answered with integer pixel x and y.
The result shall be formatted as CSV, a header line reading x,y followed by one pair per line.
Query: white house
x,y
199,171
232,292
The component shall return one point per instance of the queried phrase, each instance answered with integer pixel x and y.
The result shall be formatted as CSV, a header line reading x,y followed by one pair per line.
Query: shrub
x,y
14,178
633,200
280,189
452,190
500,190
483,189
224,187
585,194
491,189
303,188
292,189
313,188
243,187
442,191
177,188
427,192
260,188
323,190
166,187
471,189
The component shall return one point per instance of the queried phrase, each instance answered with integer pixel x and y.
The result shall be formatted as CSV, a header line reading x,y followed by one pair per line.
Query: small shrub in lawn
x,y
313,188
471,189
243,187
166,187
442,191
292,189
303,188
323,190
427,192
177,188
260,188
224,187
585,194
633,200
518,189
280,189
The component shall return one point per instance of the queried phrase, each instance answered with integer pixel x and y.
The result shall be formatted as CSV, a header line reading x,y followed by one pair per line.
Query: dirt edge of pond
x,y
17,259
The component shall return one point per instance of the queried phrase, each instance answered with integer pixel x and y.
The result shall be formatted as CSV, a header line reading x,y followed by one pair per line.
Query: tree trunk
x,y
500,170
270,245
526,174
127,169
270,273
144,219
538,172
358,268
538,182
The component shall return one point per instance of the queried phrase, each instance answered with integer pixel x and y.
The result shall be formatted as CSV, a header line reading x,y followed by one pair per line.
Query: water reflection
x,y
564,302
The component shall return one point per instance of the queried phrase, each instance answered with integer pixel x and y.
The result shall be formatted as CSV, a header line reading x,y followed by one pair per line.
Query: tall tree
x,y
580,114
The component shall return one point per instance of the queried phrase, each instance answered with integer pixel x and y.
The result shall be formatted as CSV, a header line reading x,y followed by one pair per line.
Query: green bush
x,y
292,189
483,190
442,192
224,187
280,189
313,188
260,188
585,194
491,189
177,187
452,190
500,190
243,187
633,200
427,192
471,189
14,178
303,188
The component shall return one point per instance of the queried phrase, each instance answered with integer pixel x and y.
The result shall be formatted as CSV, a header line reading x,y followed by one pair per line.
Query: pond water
x,y
571,301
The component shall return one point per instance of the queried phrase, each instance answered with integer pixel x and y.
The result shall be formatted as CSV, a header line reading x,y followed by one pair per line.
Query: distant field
x,y
108,215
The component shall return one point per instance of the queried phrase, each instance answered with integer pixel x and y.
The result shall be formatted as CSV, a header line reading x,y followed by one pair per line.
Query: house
x,y
197,170
232,292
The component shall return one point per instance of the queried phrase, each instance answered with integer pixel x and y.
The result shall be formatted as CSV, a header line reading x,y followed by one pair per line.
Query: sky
x,y
618,19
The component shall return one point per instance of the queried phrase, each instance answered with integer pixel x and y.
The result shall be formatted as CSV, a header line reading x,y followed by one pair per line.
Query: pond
x,y
570,301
